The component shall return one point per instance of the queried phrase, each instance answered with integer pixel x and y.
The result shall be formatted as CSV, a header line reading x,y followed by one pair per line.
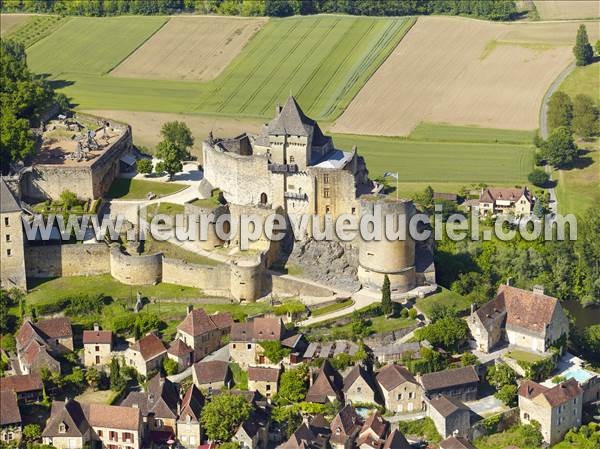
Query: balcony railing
x,y
295,196
283,168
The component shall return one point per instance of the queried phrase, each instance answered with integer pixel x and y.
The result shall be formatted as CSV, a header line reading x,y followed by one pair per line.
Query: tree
x,y
92,377
538,209
501,375
507,394
230,445
585,116
178,134
115,378
68,198
538,177
598,46
449,333
560,110
386,296
293,386
468,358
583,49
32,432
425,199
222,416
560,149
144,166
274,351
171,157
170,366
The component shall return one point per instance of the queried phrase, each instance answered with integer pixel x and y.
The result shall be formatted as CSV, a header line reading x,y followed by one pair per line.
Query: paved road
x,y
544,128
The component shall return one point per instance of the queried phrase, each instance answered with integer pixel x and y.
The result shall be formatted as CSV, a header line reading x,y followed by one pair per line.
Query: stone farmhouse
x,y
73,425
458,383
450,416
189,432
146,354
202,332
181,353
264,379
528,319
494,201
97,347
39,343
557,409
212,375
399,389
359,386
10,417
28,387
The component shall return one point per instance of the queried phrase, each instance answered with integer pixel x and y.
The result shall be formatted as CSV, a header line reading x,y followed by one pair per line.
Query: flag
x,y
391,175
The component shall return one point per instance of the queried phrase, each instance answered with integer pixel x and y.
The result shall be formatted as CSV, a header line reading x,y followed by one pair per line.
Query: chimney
x,y
96,327
277,109
538,289
509,281
189,308
455,433
472,308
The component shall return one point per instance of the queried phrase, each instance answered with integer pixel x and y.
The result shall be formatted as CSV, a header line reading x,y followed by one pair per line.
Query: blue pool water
x,y
579,374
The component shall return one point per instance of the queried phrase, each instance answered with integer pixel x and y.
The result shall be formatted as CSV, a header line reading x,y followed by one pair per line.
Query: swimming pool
x,y
579,374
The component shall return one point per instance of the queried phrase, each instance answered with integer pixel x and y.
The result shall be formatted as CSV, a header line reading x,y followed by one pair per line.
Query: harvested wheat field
x,y
190,48
567,9
10,22
463,72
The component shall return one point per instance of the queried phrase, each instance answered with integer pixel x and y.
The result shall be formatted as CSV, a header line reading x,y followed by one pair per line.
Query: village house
x,y
159,406
73,425
459,383
373,432
265,380
212,375
450,416
310,435
97,347
358,386
344,428
245,341
396,352
10,417
253,433
38,344
181,353
527,319
28,387
395,440
458,442
189,430
400,390
326,386
202,332
514,201
557,409
146,354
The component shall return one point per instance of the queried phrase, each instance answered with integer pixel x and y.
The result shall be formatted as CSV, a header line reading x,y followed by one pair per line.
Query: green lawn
x,y
173,251
332,307
583,80
45,291
323,60
212,201
443,132
444,297
448,165
524,356
137,189
92,45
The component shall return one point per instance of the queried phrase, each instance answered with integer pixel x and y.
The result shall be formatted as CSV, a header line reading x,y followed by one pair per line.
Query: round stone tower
x,y
247,279
387,255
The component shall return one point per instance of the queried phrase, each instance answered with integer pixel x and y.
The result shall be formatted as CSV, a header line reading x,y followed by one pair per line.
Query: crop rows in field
x,y
34,28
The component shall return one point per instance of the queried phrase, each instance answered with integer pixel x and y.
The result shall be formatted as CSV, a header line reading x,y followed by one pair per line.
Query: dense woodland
x,y
489,9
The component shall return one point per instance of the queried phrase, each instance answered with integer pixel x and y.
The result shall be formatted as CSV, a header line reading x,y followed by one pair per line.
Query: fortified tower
x,y
12,258
395,256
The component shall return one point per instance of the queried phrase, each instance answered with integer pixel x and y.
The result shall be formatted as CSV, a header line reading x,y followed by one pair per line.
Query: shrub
x,y
538,177
412,313
170,366
144,166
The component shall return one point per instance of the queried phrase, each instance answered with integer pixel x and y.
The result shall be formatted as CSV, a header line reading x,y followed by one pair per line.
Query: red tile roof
x,y
261,328
97,337
198,322
9,408
179,349
56,327
263,374
456,443
527,309
149,347
555,396
114,417
21,384
211,371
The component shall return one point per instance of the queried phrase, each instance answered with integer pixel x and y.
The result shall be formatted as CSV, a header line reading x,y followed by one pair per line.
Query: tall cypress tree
x,y
386,296
583,50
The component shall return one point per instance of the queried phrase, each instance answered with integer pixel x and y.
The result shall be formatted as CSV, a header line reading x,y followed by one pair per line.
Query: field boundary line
x,y
137,47
411,21
275,69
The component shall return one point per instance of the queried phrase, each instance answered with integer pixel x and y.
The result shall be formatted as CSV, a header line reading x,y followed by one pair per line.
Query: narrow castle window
x,y
6,221
292,159
9,252
326,193
325,179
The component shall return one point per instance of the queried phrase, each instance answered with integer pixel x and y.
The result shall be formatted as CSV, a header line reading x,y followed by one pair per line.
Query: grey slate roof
x,y
8,202
291,121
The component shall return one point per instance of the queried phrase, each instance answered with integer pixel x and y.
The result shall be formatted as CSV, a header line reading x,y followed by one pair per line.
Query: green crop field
x,y
423,162
442,132
91,45
31,28
322,60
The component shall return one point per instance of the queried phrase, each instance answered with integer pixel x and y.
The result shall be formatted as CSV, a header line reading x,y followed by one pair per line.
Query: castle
x,y
290,168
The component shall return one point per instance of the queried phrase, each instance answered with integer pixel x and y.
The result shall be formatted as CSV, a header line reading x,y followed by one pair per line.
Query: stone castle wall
x,y
213,280
67,260
135,270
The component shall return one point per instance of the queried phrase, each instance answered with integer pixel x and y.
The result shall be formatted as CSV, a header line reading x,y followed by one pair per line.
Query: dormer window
x,y
62,428
292,159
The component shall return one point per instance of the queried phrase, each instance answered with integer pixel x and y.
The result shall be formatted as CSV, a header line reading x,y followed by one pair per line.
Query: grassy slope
x,y
91,45
444,297
137,189
323,60
583,80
